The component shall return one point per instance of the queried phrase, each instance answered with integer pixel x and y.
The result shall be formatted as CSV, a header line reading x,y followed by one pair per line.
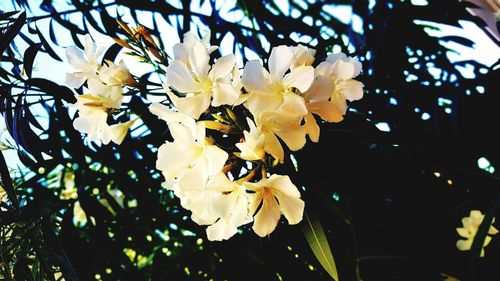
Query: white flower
x,y
222,204
115,74
302,56
182,50
86,62
192,76
189,160
92,118
274,195
273,90
469,230
93,115
253,148
333,85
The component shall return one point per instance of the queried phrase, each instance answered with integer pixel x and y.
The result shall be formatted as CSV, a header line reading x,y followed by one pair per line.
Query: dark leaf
x,y
11,32
52,89
29,58
112,52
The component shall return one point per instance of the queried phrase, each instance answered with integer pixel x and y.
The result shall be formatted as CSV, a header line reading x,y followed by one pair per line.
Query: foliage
x,y
385,210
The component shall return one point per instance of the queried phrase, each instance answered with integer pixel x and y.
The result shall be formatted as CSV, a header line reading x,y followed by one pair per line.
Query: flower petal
x,y
221,230
193,106
223,67
464,245
216,158
326,110
74,80
342,70
224,93
465,233
76,58
90,49
321,89
351,89
254,78
257,103
266,219
273,147
311,127
300,77
198,59
179,77
280,60
294,105
184,156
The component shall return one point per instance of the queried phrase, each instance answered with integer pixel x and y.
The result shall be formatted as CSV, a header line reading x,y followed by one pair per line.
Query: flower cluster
x,y
230,128
469,230
105,89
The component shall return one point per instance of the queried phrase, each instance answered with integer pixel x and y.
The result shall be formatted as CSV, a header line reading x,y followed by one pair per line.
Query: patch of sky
x,y
383,126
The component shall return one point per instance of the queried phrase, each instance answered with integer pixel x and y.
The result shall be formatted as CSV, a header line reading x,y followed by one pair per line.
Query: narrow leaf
x,y
316,237
11,32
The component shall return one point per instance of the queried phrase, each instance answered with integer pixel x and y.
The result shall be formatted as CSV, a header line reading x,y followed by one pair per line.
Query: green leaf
x,y
315,236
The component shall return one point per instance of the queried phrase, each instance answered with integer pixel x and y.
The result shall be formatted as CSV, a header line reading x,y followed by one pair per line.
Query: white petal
x,y
300,77
216,158
198,59
169,116
120,131
74,80
220,183
323,69
223,66
357,66
351,89
221,230
193,106
291,207
90,48
182,134
254,78
184,156
267,217
180,52
332,58
342,70
179,77
76,57
280,60
194,179
223,204
257,103
224,93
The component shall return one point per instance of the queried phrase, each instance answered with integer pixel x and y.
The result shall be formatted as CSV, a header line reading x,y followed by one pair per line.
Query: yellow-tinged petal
x,y
266,219
300,78
311,127
464,245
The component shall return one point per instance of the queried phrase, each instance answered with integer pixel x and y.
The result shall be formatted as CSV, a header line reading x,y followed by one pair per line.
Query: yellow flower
x,y
469,230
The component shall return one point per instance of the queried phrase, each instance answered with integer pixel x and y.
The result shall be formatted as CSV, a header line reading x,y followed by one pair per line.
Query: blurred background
x,y
389,184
